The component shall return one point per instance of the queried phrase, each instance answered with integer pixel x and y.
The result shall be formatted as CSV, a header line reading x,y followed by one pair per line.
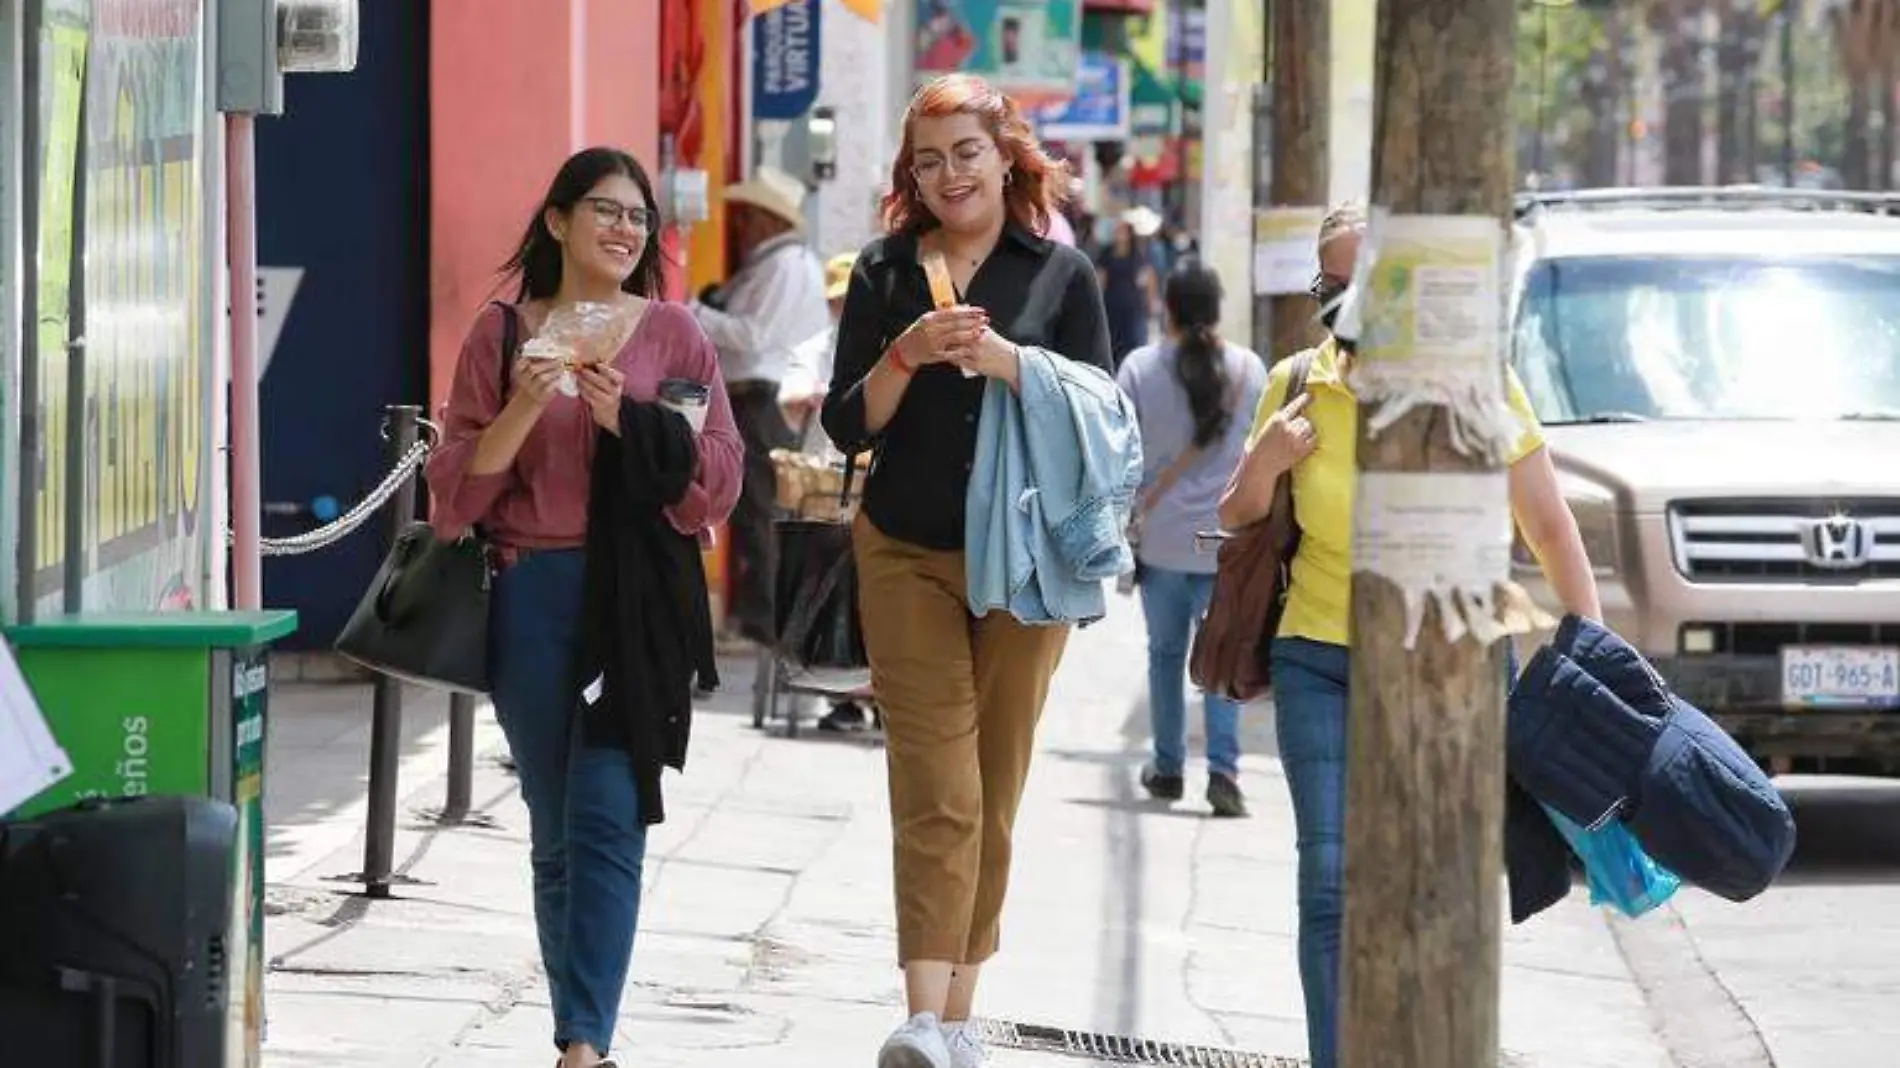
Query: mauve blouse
x,y
540,501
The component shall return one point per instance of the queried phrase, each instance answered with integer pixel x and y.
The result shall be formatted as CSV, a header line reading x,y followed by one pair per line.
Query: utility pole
x,y
1789,9
1290,163
1425,778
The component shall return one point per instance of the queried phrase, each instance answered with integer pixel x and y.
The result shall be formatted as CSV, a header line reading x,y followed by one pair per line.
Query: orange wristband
x,y
897,360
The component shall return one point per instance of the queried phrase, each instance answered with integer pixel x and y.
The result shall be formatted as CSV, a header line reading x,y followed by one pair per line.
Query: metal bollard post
x,y
461,758
385,743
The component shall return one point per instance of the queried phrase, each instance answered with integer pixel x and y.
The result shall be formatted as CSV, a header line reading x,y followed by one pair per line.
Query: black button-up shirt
x,y
1038,294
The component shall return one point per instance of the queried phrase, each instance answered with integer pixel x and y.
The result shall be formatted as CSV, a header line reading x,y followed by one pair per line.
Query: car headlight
x,y
1594,507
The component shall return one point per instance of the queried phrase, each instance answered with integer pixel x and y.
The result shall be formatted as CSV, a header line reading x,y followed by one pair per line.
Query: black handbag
x,y
424,618
815,591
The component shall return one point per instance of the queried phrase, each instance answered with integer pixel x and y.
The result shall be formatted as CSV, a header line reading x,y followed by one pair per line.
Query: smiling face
x,y
959,171
606,232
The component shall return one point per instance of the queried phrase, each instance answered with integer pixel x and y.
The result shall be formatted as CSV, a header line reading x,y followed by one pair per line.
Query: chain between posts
x,y
344,525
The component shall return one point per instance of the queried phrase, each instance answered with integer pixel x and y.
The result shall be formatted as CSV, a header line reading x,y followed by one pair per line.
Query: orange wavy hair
x,y
1038,181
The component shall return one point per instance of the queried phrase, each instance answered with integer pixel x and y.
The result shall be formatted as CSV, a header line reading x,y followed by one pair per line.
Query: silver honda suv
x,y
1719,370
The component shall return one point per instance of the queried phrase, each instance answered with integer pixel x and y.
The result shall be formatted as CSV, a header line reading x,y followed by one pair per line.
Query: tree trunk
x,y
1751,113
1733,82
1425,779
1855,168
1883,169
1603,96
1301,41
1679,23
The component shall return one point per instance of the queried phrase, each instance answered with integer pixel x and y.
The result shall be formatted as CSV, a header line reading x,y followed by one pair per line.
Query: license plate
x,y
1840,676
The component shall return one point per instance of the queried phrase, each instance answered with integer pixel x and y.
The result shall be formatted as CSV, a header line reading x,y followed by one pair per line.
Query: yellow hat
x,y
838,274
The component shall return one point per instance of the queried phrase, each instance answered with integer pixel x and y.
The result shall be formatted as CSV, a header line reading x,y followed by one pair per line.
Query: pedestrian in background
x,y
1315,437
808,374
775,301
1128,288
594,504
800,396
961,695
1191,393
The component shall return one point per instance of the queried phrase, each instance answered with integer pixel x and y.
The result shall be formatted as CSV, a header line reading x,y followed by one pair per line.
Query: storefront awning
x,y
868,10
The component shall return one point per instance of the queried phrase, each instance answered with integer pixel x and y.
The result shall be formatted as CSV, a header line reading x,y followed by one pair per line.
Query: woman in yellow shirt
x,y
1315,436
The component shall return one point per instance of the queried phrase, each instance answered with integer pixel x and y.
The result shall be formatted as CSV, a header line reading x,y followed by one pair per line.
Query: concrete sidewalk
x,y
766,929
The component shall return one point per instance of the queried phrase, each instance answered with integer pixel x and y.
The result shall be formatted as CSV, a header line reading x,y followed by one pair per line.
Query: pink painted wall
x,y
516,86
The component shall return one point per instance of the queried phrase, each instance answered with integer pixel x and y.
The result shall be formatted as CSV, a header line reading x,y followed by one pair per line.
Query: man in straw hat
x,y
774,301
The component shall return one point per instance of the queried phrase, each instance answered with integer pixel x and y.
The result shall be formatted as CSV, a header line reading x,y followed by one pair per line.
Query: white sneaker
x,y
966,1050
917,1044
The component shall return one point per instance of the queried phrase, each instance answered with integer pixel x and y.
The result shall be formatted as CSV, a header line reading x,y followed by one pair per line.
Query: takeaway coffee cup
x,y
687,397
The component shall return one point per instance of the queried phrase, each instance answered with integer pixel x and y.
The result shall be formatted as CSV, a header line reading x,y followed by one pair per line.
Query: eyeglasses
x,y
1327,288
608,212
967,158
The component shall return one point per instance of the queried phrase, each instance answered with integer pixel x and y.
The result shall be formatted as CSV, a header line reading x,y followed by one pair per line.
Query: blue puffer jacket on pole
x,y
1596,734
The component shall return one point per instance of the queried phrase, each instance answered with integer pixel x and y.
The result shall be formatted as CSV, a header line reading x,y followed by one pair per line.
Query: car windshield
x,y
1620,339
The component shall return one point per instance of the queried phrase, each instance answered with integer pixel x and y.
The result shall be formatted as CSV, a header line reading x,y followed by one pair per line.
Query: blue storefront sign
x,y
1099,109
785,60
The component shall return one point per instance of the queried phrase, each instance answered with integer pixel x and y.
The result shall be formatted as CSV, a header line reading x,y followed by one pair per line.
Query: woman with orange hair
x,y
961,694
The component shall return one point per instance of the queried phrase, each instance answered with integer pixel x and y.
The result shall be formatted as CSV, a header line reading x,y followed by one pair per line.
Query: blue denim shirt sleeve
x,y
1056,470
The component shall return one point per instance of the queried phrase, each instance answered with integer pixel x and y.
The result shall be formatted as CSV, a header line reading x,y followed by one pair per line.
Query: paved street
x,y
767,935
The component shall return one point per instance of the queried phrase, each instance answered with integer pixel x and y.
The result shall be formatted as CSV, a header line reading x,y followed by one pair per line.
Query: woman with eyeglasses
x,y
960,694
1315,437
594,500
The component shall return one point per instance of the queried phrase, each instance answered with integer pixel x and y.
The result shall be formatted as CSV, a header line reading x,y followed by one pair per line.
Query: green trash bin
x,y
167,703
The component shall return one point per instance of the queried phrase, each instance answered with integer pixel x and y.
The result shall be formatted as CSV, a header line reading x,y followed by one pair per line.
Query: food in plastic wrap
x,y
943,291
581,334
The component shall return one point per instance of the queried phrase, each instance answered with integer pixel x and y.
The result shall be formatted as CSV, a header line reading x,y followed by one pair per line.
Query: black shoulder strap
x,y
510,340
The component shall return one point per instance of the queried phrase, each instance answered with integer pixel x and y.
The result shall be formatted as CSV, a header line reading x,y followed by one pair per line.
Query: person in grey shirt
x,y
1193,394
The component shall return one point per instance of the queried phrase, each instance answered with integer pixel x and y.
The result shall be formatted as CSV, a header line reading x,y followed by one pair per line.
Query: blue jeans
x,y
1310,700
587,841
1174,602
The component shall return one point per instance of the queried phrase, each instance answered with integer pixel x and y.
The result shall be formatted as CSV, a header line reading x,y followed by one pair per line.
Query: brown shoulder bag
x,y
1233,646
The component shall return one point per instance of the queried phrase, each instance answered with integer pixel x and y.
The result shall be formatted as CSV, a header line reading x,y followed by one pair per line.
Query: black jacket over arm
x,y
648,626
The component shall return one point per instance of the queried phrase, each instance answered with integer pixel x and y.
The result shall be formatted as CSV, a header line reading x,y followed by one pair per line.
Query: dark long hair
x,y
1193,297
538,259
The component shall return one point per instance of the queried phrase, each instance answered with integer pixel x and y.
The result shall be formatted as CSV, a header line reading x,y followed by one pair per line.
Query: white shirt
x,y
808,371
776,301
808,376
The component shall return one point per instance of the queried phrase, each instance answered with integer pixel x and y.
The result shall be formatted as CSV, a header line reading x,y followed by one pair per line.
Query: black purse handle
x,y
510,340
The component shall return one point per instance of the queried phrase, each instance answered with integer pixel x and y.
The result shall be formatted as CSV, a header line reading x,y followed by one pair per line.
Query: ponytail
x,y
1193,297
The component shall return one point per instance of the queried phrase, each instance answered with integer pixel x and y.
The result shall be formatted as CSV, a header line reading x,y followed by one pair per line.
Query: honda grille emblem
x,y
1839,543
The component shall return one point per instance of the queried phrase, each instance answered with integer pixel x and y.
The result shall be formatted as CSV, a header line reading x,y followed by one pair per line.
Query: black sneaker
x,y
1224,796
1162,787
845,718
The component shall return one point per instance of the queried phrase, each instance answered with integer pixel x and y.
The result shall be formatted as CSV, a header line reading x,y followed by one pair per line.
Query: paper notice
x,y
30,759
1440,536
1285,249
1432,294
1426,310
